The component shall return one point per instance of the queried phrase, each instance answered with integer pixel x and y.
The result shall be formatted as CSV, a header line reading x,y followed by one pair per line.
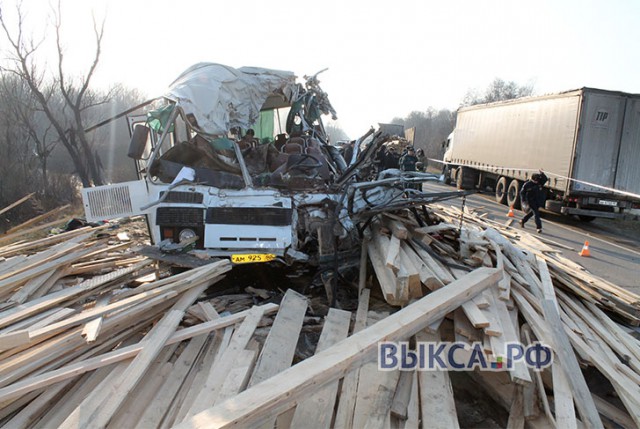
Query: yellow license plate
x,y
252,257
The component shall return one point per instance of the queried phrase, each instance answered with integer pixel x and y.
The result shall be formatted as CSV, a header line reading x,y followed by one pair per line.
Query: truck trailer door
x,y
628,173
598,140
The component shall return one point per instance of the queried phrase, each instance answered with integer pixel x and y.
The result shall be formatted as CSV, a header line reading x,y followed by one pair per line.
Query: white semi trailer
x,y
587,141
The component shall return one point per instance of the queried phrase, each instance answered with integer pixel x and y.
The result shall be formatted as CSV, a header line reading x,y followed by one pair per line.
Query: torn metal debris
x,y
239,162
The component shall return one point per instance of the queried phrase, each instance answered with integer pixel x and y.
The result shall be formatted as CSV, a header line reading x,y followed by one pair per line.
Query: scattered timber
x,y
94,334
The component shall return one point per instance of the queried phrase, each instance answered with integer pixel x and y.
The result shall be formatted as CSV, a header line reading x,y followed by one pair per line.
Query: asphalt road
x,y
614,248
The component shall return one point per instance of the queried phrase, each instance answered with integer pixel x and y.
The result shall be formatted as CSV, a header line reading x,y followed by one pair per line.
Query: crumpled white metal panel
x,y
114,201
221,97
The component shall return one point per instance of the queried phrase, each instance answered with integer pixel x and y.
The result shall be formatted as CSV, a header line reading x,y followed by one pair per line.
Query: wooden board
x,y
319,407
436,394
346,403
275,395
72,370
228,358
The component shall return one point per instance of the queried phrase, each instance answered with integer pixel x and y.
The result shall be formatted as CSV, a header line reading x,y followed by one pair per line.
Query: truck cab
x,y
448,148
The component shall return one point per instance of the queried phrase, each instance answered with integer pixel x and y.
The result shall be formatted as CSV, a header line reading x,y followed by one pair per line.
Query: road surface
x,y
615,253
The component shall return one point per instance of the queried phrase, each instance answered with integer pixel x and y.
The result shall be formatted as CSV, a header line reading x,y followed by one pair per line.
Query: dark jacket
x,y
532,193
408,162
391,160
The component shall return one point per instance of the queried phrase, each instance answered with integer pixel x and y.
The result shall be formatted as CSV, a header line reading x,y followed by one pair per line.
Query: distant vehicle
x,y
587,141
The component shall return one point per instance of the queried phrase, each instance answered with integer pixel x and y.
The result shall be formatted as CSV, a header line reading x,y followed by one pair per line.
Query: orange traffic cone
x,y
585,249
510,214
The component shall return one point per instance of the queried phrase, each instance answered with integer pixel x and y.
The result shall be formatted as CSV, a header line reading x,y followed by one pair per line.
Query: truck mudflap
x,y
115,201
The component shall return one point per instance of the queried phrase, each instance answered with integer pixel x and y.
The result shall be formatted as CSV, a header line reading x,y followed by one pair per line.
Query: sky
x,y
385,59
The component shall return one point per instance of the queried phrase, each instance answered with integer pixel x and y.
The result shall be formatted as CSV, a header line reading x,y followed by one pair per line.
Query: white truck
x,y
587,141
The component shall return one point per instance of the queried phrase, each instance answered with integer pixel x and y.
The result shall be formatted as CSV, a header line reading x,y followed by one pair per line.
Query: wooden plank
x,y
31,286
221,367
196,378
563,399
277,394
630,342
130,412
208,310
280,346
157,407
427,277
41,319
413,407
531,409
408,282
91,329
398,229
45,379
613,413
202,388
627,390
565,354
39,263
462,326
346,403
87,384
402,396
441,272
319,407
520,372
48,284
37,219
31,245
435,326
20,312
238,377
403,220
476,316
516,412
93,400
374,397
204,275
13,339
384,274
16,203
481,300
393,251
436,394
154,342
375,389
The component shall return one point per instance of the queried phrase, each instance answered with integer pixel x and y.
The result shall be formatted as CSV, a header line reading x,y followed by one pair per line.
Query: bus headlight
x,y
186,234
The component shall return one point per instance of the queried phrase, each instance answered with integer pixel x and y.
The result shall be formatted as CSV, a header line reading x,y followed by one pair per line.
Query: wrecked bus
x,y
283,193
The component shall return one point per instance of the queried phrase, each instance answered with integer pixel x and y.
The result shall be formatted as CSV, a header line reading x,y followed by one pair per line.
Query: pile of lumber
x,y
92,335
540,296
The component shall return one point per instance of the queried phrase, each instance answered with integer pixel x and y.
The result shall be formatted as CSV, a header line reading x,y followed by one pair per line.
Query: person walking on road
x,y
408,160
532,197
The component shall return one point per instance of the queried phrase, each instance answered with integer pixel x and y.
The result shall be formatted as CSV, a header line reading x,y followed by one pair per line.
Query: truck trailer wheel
x,y
466,178
513,194
501,190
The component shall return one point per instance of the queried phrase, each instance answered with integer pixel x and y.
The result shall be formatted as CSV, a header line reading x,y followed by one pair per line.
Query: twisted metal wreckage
x,y
285,194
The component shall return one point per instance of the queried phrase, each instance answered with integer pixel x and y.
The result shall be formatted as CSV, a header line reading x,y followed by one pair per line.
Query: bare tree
x,y
335,133
497,90
64,101
22,112
431,128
